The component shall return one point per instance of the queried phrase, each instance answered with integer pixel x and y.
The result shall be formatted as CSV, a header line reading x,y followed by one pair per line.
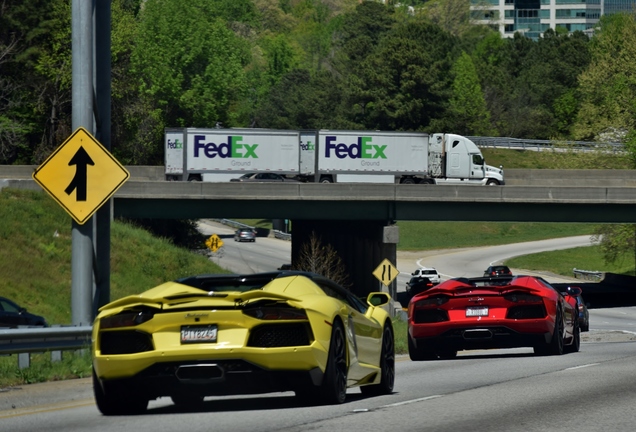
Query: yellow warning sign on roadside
x,y
386,272
214,243
81,175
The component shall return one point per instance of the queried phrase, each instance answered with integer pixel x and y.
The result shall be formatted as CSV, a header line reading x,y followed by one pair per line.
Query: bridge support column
x,y
361,245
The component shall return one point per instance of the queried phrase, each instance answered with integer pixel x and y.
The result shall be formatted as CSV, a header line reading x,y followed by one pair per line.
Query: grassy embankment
x,y
35,270
35,259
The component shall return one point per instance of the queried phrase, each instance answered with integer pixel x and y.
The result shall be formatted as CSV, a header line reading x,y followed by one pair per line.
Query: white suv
x,y
427,272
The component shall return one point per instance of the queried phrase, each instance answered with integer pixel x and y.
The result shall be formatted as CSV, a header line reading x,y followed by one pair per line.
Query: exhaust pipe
x,y
200,372
477,334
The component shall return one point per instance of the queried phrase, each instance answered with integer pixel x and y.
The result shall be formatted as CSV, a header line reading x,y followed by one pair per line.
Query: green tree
x,y
616,241
566,108
190,64
274,16
131,112
491,55
362,29
358,38
281,57
467,112
550,70
452,16
608,85
316,22
405,83
302,100
530,86
35,77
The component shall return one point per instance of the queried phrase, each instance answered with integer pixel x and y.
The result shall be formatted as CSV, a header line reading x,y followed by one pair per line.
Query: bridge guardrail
x,y
539,145
588,275
234,224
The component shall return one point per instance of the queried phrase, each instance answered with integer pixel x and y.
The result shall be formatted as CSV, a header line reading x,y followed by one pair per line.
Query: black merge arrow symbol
x,y
79,183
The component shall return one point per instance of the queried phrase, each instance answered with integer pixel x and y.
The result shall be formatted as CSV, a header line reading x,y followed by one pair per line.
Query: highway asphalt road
x,y
269,253
494,390
471,262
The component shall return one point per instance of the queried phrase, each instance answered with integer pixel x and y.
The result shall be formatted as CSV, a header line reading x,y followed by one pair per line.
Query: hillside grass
x,y
35,256
35,269
565,261
415,235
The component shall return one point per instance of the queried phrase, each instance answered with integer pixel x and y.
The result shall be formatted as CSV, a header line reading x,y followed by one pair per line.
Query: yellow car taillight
x,y
276,313
125,319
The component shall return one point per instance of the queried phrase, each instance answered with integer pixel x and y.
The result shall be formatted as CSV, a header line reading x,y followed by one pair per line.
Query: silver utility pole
x,y
82,235
83,116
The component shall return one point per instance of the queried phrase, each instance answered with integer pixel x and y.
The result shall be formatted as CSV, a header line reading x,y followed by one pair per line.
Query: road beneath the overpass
x,y
471,262
268,254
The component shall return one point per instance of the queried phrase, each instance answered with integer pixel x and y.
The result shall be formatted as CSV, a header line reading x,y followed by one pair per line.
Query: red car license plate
x,y
477,311
198,334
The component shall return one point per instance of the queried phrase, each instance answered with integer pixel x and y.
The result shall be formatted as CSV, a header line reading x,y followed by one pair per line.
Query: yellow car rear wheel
x,y
113,401
334,382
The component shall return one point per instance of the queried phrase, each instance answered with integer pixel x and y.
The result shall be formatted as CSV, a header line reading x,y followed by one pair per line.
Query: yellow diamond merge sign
x,y
214,243
81,175
386,272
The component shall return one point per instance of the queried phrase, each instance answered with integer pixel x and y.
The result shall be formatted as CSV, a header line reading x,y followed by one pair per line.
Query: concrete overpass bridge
x,y
357,219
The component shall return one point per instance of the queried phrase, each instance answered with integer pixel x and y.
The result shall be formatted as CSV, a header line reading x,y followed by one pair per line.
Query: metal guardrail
x,y
23,341
281,235
588,275
234,224
539,145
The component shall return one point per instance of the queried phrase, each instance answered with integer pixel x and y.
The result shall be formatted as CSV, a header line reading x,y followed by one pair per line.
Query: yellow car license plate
x,y
198,334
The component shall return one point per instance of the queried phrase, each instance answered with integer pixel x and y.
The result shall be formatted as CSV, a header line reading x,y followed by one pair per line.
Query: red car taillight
x,y
431,302
523,298
276,313
126,319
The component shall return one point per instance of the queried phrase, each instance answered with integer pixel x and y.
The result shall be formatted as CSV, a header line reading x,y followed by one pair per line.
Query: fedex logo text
x,y
233,148
362,149
176,144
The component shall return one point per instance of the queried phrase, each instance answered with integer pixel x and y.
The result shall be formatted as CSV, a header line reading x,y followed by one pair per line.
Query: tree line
x,y
309,64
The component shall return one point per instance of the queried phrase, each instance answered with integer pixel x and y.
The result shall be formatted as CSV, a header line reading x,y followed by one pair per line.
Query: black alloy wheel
x,y
113,402
418,353
334,381
576,339
555,346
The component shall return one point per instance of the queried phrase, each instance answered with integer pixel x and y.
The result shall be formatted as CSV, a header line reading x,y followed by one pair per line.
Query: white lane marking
x,y
582,366
411,401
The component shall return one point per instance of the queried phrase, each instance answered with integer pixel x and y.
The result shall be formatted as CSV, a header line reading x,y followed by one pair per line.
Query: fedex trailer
x,y
327,156
401,157
221,154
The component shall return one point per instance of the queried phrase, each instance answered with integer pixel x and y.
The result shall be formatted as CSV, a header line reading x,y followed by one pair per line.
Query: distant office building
x,y
534,17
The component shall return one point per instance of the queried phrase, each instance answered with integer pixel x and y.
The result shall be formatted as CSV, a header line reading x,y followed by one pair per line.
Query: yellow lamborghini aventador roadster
x,y
241,334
